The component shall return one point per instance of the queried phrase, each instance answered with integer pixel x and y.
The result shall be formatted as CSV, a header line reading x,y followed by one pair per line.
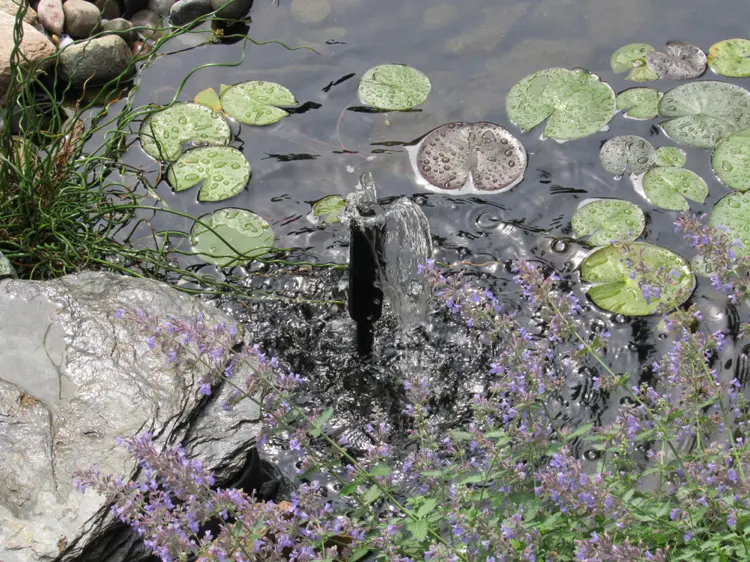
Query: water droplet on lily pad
x,y
639,103
632,57
668,187
575,102
681,61
393,87
702,113
231,237
730,58
618,290
605,221
482,155
327,209
731,160
670,156
189,169
732,212
191,122
627,153
257,102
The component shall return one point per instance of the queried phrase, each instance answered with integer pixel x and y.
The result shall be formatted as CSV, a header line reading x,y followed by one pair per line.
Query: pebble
x,y
51,15
110,9
121,27
95,61
231,9
151,21
186,11
81,18
160,7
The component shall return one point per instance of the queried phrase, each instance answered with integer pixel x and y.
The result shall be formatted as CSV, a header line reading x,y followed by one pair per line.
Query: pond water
x,y
473,51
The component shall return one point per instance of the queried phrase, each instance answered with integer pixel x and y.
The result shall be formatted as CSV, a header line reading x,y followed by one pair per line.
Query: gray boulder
x,y
6,268
148,24
121,27
231,9
186,11
81,18
110,9
12,8
100,59
34,47
72,378
160,7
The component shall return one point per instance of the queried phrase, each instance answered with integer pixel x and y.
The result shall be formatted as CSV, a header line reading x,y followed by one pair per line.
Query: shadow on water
x,y
473,53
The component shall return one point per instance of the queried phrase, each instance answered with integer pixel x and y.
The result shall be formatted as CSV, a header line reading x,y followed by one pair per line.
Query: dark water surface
x,y
473,51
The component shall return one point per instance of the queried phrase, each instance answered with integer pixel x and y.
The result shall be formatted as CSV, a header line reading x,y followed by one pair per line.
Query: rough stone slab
x,y
12,7
34,47
97,61
72,378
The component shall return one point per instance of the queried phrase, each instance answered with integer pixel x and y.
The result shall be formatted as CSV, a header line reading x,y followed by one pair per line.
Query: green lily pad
x,y
730,58
731,160
608,220
393,87
164,132
668,187
328,209
209,98
702,113
223,170
619,288
247,236
733,214
670,156
682,61
639,103
627,153
576,102
471,157
632,58
257,102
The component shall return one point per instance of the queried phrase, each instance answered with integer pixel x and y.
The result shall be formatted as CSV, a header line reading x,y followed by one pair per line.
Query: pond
x,y
473,53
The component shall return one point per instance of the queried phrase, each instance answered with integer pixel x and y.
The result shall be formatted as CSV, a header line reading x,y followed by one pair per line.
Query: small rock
x,y
100,59
231,9
10,7
6,269
147,24
34,46
110,9
121,27
81,18
160,7
186,11
51,15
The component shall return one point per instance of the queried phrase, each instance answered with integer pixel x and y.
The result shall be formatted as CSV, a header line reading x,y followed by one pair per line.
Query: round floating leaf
x,y
257,102
608,220
730,58
731,160
632,57
619,288
577,103
328,209
164,132
639,103
733,213
670,156
393,87
246,236
627,153
702,113
223,170
484,156
668,187
682,61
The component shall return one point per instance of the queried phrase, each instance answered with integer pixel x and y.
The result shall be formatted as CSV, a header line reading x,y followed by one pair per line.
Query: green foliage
x,y
257,102
394,87
669,188
670,156
328,209
222,171
627,153
639,103
230,237
731,160
632,57
730,58
605,221
733,213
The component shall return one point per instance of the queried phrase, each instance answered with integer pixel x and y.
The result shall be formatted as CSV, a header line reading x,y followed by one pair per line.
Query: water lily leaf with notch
x,y
733,213
668,187
670,156
393,87
608,220
481,155
209,98
639,103
163,133
702,113
576,102
730,58
257,102
731,160
627,153
618,290
632,58
247,236
682,61
328,209
223,170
